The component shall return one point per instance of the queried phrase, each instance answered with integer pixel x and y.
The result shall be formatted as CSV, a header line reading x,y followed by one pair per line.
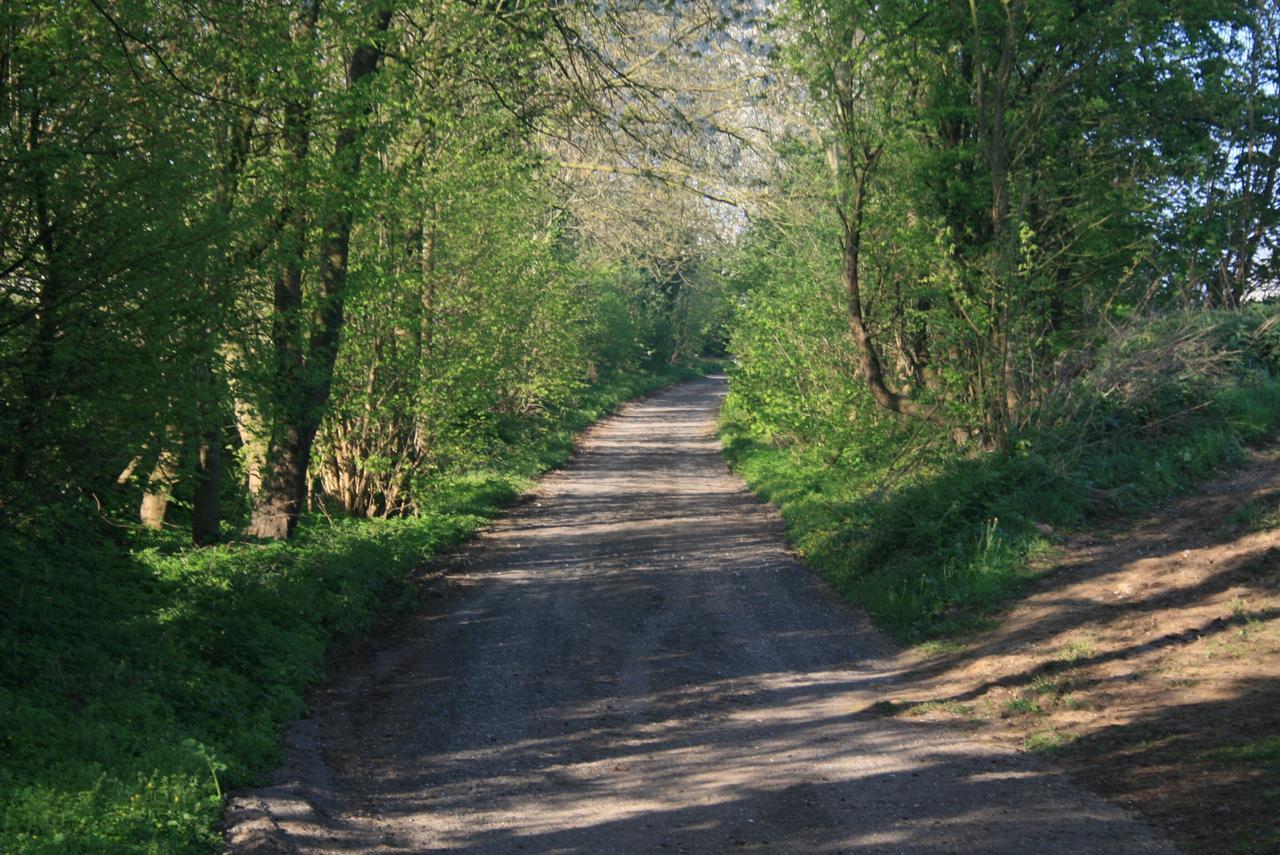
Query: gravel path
x,y
631,661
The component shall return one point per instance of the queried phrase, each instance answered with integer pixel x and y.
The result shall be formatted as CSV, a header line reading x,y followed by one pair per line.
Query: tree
x,y
103,232
304,359
1023,144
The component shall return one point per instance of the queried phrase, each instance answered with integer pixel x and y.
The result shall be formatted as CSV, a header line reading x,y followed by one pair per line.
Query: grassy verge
x,y
140,679
935,554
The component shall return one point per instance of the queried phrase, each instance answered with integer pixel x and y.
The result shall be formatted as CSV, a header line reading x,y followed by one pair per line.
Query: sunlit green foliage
x,y
931,541
957,324
979,183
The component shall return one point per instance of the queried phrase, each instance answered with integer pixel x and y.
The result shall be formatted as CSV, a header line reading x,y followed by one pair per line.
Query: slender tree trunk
x,y
305,384
130,467
992,101
424,339
155,501
870,364
427,302
278,501
206,504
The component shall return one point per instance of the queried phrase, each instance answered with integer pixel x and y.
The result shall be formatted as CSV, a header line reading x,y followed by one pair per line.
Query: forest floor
x,y
633,661
1145,657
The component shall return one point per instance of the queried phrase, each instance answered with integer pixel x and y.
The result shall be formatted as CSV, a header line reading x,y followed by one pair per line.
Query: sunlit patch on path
x,y
631,661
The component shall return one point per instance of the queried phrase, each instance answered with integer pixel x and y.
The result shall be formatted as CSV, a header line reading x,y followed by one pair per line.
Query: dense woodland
x,y
260,260
269,269
986,187
1016,266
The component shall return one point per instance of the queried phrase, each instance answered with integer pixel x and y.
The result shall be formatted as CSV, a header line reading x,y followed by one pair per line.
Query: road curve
x,y
631,661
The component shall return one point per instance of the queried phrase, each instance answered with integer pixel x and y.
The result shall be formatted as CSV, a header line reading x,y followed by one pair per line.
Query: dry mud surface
x,y
631,661
1147,658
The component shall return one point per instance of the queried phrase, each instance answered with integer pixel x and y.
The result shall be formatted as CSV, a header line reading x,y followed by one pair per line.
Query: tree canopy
x,y
258,259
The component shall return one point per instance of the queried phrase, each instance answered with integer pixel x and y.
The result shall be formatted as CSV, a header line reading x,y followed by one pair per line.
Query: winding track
x,y
631,661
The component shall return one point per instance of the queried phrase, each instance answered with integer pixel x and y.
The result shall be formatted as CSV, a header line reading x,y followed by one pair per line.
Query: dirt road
x,y
632,662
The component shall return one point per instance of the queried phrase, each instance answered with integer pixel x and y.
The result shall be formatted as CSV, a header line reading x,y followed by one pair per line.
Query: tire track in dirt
x,y
631,661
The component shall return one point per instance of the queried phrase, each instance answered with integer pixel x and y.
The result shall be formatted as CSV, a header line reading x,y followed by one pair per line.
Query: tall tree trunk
x,y
278,502
992,102
305,383
279,499
428,251
860,165
424,337
206,504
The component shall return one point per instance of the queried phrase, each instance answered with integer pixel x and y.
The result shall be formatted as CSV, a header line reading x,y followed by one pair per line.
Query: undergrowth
x,y
140,679
932,551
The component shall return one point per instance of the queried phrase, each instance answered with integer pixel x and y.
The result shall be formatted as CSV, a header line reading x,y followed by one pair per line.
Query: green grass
x,y
1023,706
1074,651
942,647
1259,514
929,561
141,679
1048,741
942,549
1264,751
956,708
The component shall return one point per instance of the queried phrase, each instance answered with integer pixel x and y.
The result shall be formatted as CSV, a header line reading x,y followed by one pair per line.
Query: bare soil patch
x,y
1146,659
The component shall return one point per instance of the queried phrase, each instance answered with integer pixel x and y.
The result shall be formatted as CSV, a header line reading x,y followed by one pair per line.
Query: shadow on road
x,y
633,662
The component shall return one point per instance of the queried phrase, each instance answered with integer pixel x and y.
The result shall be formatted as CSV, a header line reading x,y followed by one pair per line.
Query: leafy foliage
x,y
984,182
140,679
268,270
931,541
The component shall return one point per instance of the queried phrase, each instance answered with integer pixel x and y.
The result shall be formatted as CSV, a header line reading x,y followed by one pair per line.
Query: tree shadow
x,y
635,662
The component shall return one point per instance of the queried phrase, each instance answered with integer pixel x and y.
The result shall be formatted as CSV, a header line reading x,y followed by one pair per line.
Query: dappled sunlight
x,y
1170,582
634,661
1148,660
